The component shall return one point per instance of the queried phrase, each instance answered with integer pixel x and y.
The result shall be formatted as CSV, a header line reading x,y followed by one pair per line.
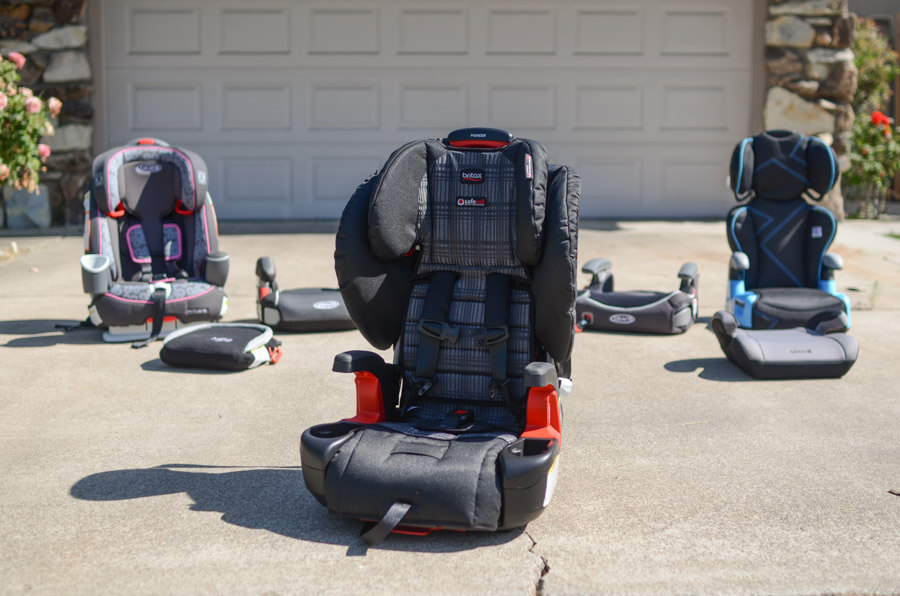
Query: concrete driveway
x,y
679,472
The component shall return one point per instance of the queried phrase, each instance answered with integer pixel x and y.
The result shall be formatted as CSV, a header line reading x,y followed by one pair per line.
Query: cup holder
x,y
529,447
332,430
95,273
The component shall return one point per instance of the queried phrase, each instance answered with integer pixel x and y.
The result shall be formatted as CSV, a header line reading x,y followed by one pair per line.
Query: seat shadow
x,y
272,499
157,365
42,333
711,369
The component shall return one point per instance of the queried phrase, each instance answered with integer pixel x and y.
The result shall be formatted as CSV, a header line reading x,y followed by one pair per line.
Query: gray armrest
x,y
358,360
540,374
595,266
689,275
216,269
688,271
832,261
265,269
739,261
601,273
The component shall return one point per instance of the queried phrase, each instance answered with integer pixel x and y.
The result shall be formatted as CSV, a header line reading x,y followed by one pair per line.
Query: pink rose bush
x,y
24,120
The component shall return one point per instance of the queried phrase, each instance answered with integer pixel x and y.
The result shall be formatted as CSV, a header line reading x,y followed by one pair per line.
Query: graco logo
x,y
221,340
621,319
471,176
148,168
816,232
326,304
471,201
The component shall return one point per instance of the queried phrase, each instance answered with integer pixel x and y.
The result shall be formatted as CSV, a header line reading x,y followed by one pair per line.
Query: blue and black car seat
x,y
461,255
780,274
152,261
601,307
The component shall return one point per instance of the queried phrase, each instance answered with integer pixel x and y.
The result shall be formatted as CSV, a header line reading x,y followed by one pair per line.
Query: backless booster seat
x,y
461,254
151,260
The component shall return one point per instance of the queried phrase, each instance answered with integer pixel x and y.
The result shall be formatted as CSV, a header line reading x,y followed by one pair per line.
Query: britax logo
x,y
471,201
472,176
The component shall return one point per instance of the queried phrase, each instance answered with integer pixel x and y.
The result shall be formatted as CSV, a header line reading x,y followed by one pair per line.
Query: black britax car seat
x,y
780,273
152,259
461,254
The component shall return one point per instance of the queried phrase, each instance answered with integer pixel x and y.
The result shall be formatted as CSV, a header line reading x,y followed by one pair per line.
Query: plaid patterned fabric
x,y
469,228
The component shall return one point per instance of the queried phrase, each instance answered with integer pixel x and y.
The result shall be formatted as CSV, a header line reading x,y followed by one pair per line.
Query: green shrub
x,y
877,65
24,119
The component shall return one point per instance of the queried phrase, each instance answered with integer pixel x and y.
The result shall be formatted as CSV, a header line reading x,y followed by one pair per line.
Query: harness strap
x,y
434,328
496,323
385,526
159,313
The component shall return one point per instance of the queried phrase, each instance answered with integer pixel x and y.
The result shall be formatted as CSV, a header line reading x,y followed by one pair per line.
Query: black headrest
x,y
107,170
782,165
398,200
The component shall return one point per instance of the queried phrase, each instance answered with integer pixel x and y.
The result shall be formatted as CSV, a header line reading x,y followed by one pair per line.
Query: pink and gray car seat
x,y
461,255
152,260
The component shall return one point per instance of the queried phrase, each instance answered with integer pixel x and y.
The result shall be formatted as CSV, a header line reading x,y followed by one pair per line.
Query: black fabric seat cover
x,y
477,220
784,236
785,308
451,479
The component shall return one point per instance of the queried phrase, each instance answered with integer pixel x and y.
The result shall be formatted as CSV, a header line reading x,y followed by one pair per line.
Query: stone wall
x,y
811,75
52,35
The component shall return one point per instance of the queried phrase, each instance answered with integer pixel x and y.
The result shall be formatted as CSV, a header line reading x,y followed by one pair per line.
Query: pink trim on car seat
x,y
132,301
140,148
174,257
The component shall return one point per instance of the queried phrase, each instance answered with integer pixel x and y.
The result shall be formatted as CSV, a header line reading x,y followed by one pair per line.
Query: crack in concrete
x,y
545,566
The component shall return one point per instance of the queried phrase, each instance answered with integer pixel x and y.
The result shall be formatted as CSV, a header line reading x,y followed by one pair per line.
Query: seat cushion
x,y
785,308
797,353
131,303
450,480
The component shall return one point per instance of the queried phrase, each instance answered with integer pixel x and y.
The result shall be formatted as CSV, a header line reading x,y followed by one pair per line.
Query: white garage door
x,y
293,103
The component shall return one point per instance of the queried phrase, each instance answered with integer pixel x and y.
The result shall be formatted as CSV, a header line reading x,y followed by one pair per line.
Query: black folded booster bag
x,y
221,346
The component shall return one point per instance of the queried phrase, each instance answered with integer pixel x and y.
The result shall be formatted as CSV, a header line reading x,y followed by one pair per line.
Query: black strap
x,y
378,532
66,327
496,324
159,313
433,327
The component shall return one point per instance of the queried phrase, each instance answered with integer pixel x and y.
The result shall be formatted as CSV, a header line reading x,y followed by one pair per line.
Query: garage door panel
x,y
617,30
696,32
255,106
432,31
164,106
162,30
239,30
313,95
262,185
436,105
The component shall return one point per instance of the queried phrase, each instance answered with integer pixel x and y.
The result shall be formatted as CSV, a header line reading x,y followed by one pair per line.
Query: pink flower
x,y
25,91
4,172
18,58
32,105
3,100
43,151
54,106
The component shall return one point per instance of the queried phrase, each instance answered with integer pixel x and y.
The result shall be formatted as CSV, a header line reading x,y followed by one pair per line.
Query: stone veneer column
x,y
52,35
811,74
